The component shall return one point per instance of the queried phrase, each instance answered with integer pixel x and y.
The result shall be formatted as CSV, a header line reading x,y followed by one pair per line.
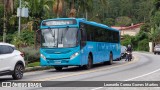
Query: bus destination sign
x,y
58,22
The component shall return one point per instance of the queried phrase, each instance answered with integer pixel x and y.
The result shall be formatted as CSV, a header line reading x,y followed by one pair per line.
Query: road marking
x,y
136,59
97,88
85,72
133,78
143,75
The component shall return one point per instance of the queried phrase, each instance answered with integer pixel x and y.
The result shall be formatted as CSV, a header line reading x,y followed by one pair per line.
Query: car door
x,y
1,58
6,56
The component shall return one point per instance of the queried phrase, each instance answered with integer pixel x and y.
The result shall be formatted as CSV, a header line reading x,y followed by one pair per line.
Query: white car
x,y
157,49
11,61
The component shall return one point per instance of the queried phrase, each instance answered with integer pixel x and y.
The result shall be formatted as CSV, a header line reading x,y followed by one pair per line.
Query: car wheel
x,y
58,68
18,72
155,53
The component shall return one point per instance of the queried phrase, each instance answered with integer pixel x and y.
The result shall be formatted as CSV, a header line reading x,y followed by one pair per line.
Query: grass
x,y
33,64
34,68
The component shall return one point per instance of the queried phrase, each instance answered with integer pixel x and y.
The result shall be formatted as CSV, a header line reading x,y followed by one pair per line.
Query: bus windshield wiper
x,y
53,34
63,35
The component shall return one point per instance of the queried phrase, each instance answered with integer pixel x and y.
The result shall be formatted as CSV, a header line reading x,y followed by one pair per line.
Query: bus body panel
x,y
101,51
62,56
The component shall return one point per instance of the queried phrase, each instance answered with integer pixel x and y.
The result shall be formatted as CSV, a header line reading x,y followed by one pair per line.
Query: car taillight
x,y
22,54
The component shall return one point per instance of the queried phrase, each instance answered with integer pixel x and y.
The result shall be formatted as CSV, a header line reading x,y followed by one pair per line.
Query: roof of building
x,y
128,27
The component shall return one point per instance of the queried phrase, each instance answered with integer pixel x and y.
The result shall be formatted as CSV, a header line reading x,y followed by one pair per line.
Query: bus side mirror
x,y
37,38
38,35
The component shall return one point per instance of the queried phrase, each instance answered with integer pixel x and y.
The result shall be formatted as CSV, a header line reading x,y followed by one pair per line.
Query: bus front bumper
x,y
61,62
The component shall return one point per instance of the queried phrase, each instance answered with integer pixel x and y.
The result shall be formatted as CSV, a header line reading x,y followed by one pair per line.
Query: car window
x,y
11,49
5,49
158,45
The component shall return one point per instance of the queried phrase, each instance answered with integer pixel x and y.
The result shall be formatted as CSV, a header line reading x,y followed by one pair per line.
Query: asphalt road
x,y
144,67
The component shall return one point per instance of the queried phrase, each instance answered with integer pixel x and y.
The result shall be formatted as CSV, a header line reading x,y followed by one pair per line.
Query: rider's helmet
x,y
129,45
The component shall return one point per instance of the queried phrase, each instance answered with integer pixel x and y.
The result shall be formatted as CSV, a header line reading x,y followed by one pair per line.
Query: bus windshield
x,y
59,37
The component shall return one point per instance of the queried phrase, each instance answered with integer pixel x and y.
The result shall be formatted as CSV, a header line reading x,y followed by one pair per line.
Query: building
x,y
129,30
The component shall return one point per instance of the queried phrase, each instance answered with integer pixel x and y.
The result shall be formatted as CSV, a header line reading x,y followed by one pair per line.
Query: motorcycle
x,y
128,56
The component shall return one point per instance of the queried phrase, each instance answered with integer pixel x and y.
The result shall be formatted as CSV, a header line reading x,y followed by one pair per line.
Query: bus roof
x,y
84,21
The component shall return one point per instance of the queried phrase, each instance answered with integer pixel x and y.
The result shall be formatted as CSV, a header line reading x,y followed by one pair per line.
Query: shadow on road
x,y
5,79
78,68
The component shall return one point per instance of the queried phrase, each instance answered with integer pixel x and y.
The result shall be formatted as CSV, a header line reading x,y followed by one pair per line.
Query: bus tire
x,y
90,64
58,68
110,62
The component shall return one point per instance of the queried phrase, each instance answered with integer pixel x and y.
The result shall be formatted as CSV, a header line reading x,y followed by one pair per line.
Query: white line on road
x,y
97,88
143,75
133,78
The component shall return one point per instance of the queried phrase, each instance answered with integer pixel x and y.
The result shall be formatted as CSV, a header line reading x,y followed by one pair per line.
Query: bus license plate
x,y
57,61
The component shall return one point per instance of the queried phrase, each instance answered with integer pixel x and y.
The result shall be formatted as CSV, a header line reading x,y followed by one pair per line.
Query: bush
x,y
26,38
143,45
31,54
127,40
1,38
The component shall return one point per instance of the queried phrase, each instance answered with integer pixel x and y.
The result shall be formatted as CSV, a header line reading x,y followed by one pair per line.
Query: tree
x,y
109,21
123,21
157,4
8,8
85,6
38,10
57,7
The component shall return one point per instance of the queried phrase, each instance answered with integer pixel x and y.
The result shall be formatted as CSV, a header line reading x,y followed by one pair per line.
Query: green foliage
x,y
137,41
1,38
109,21
17,40
146,27
156,18
34,64
127,40
26,38
141,35
123,21
31,54
124,12
143,45
157,4
9,37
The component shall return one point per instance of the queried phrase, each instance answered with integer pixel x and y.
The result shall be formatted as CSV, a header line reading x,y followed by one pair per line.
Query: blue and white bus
x,y
77,42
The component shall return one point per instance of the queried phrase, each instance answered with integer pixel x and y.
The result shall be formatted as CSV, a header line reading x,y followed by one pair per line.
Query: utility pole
x,y
19,26
4,23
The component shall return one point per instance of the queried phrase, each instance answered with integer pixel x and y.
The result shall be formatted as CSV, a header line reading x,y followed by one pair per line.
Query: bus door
x,y
83,43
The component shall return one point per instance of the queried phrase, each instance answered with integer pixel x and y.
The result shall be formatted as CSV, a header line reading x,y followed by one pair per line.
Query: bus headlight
x,y
74,55
43,56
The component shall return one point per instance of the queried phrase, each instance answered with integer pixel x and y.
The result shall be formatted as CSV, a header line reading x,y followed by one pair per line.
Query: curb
x,y
37,68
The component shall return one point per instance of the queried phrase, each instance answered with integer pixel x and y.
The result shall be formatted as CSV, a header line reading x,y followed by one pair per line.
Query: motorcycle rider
x,y
129,49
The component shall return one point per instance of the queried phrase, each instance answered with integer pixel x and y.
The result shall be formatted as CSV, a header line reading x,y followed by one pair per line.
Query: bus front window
x,y
59,37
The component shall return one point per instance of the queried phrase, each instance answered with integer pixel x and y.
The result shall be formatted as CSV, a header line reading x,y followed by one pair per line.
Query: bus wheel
x,y
58,68
89,65
110,59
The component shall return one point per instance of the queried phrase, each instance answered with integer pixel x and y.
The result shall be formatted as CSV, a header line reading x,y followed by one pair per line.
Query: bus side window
x,y
83,38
